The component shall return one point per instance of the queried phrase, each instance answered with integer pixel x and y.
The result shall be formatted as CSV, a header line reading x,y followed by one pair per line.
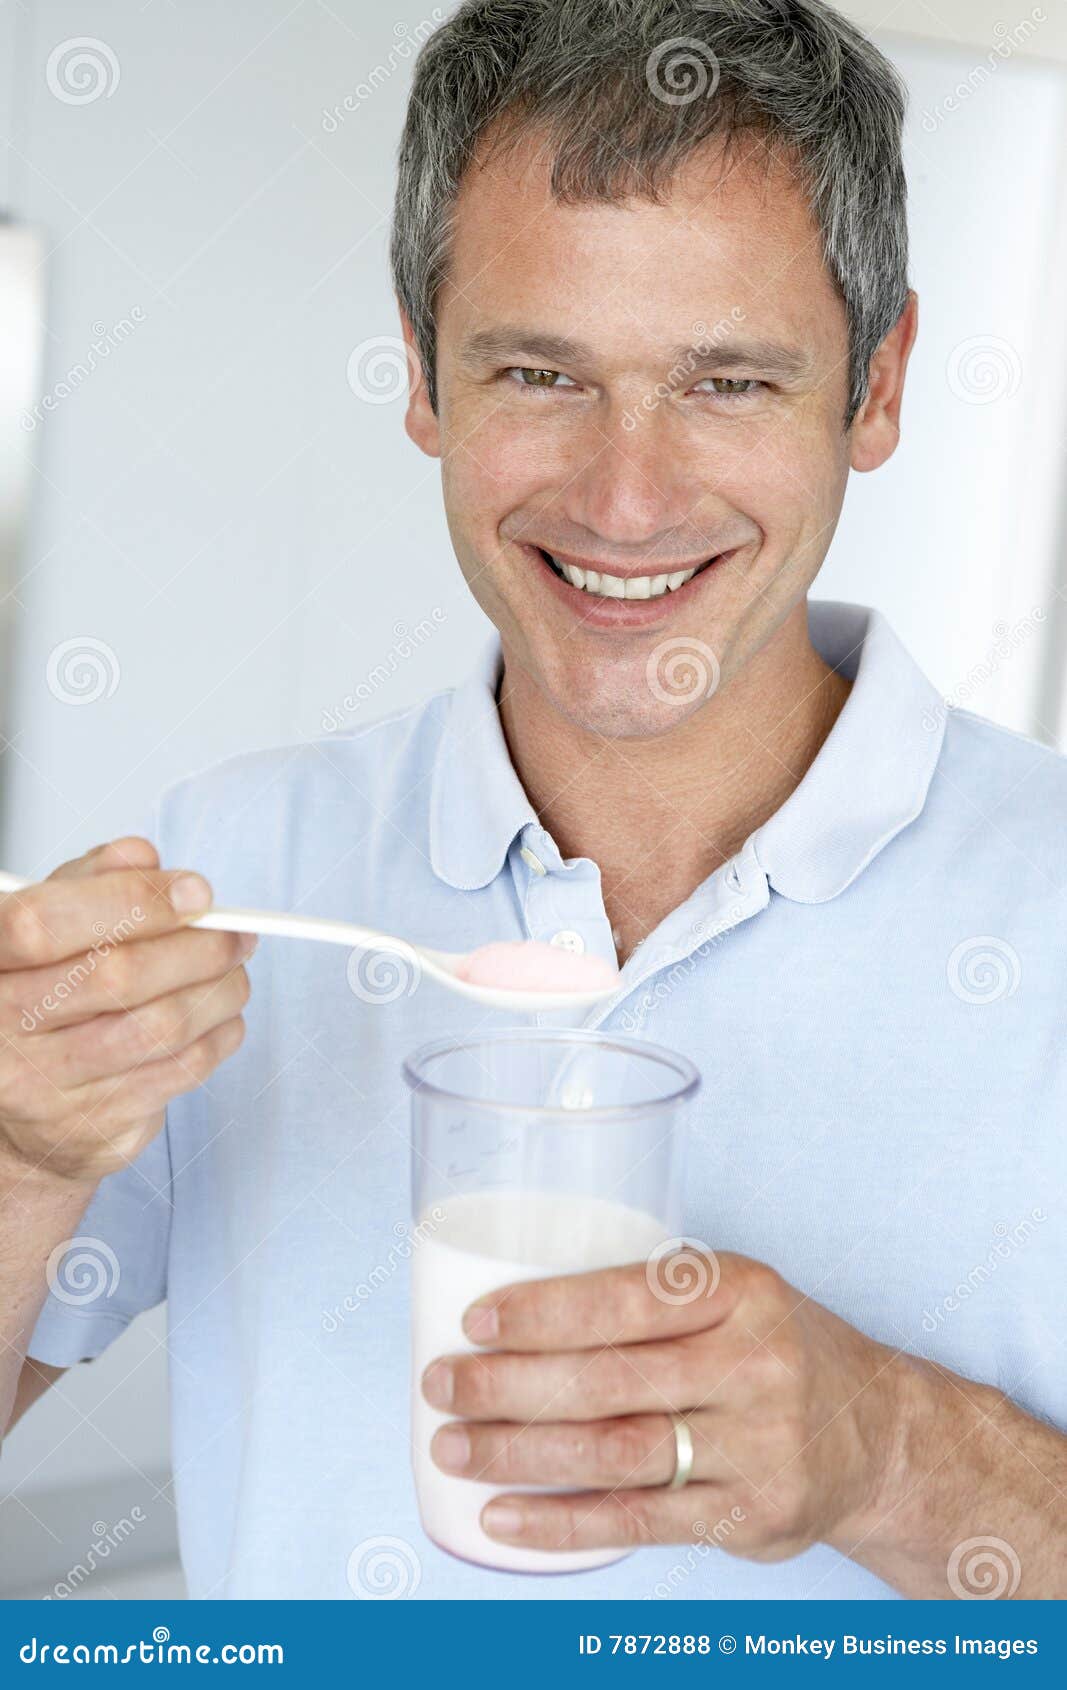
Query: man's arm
x,y
976,1499
804,1431
34,1381
37,1212
111,1004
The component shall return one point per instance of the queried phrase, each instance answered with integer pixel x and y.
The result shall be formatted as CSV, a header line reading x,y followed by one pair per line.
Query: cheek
x,y
490,463
484,479
519,455
521,442
787,476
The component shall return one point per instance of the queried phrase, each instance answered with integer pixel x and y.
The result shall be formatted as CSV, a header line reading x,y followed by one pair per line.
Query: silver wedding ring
x,y
683,1452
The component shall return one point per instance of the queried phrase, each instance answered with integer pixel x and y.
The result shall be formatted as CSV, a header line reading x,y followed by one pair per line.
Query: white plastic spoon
x,y
418,959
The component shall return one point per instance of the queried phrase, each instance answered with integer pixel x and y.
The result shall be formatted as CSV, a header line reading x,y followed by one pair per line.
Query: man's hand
x,y
804,1431
793,1413
110,1005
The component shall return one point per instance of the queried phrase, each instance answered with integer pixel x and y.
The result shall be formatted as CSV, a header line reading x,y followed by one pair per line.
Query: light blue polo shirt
x,y
874,989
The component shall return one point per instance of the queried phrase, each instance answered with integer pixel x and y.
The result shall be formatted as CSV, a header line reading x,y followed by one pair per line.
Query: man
x,y
651,261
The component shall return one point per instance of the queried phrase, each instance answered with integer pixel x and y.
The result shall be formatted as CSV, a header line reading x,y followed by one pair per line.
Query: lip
x,y
596,612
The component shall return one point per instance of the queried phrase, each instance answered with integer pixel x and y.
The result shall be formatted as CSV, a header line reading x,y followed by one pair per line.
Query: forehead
x,y
733,229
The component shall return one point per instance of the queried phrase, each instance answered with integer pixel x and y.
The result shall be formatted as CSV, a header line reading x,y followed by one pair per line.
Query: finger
x,y
56,919
129,852
118,1110
633,1449
142,1091
117,977
113,1044
620,1519
576,1385
629,1450
664,1296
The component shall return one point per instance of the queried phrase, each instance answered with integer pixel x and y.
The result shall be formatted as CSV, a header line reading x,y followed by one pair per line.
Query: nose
x,y
630,485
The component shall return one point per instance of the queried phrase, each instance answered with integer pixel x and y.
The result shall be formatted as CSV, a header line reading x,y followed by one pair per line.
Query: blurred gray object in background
x,y
21,337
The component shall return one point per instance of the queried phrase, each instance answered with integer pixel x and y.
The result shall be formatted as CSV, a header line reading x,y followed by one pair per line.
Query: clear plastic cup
x,y
535,1152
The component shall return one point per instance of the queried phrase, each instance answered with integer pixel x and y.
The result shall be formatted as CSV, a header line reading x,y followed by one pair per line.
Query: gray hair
x,y
622,91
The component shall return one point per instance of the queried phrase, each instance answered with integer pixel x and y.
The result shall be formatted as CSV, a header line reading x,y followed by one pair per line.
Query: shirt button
x,y
566,940
531,861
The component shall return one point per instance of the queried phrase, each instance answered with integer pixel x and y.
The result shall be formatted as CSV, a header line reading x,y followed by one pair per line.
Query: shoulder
x,y
985,755
1007,793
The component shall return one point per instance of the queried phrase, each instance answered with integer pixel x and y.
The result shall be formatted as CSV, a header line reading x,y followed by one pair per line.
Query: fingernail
x,y
451,1449
248,943
481,1323
190,894
437,1384
503,1519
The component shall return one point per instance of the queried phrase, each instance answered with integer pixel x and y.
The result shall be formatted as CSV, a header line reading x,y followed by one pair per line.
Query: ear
x,y
876,428
419,420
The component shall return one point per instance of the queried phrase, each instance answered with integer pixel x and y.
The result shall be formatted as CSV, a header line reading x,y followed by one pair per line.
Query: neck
x,y
659,815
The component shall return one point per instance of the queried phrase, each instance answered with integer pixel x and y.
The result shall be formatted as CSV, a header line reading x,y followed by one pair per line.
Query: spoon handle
x,y
273,923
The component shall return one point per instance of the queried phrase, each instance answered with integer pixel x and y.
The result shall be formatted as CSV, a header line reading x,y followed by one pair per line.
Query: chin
x,y
618,702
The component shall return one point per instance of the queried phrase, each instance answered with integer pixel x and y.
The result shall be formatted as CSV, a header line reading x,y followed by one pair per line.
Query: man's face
x,y
574,426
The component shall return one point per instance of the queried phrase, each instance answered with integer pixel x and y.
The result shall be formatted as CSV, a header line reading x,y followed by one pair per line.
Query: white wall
x,y
966,23
959,538
243,535
214,503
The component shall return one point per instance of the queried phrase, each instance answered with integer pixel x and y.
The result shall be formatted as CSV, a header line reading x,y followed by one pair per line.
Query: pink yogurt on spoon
x,y
526,965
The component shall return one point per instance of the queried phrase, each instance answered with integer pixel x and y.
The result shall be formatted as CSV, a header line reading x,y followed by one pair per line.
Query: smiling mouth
x,y
601,585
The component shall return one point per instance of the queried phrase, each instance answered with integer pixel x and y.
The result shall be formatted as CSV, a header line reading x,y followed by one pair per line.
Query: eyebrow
x,y
510,343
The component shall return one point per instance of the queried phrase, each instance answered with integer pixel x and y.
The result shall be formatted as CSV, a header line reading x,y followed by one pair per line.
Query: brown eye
x,y
539,378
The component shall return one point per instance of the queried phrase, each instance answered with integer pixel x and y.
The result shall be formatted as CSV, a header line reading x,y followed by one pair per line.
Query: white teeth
x,y
623,587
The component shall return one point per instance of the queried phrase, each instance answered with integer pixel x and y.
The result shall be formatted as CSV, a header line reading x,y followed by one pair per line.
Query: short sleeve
x,y
115,1265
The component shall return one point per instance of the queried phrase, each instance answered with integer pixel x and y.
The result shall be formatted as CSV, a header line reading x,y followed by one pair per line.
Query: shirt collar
x,y
872,774
477,803
869,780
